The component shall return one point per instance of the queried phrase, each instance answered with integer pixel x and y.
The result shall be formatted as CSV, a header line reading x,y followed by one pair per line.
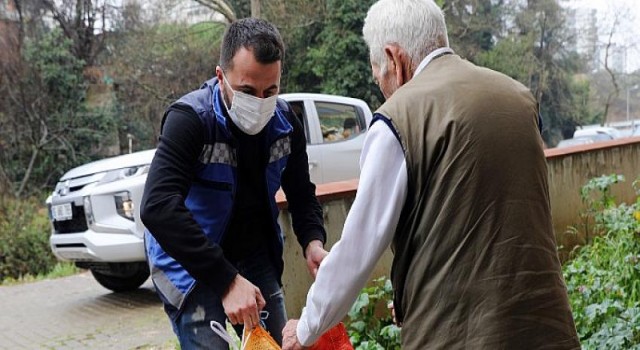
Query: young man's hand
x,y
315,253
290,338
242,303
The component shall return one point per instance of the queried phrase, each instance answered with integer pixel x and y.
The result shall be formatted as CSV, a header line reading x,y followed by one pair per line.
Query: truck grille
x,y
77,224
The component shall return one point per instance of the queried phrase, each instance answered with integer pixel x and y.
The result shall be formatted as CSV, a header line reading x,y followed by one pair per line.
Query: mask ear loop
x,y
220,331
226,82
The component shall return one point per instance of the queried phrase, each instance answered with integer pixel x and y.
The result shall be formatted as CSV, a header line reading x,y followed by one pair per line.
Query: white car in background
x,y
591,134
585,139
613,133
94,208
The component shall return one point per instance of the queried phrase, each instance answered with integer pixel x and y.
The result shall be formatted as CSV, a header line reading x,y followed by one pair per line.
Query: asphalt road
x,y
77,313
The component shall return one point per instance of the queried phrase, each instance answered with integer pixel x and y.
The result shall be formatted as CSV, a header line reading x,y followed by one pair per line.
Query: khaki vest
x,y
475,264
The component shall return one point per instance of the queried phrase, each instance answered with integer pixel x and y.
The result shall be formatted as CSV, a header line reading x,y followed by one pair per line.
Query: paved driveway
x,y
77,313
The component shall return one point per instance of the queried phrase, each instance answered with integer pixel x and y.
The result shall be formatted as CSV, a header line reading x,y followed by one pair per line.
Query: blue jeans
x,y
192,324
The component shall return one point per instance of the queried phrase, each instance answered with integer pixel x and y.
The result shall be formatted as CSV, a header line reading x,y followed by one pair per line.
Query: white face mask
x,y
250,114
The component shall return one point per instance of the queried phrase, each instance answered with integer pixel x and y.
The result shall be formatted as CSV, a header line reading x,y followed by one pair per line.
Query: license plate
x,y
62,212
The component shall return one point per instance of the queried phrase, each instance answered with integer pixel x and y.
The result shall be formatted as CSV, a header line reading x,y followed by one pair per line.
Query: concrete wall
x,y
336,199
569,169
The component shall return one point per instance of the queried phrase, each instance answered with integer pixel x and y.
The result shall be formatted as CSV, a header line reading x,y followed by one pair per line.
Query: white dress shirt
x,y
368,230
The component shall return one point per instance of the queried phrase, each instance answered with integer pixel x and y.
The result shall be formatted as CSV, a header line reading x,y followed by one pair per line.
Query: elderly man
x,y
454,177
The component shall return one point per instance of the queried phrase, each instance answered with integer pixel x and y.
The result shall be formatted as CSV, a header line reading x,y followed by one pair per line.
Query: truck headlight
x,y
124,205
123,173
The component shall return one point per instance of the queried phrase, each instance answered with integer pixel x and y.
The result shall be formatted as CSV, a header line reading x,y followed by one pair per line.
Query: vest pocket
x,y
216,185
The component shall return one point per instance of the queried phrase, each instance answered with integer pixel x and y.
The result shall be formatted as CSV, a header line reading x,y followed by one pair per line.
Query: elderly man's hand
x,y
290,338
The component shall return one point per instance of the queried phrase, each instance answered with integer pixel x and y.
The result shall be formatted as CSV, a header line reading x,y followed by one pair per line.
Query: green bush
x,y
603,278
24,239
370,324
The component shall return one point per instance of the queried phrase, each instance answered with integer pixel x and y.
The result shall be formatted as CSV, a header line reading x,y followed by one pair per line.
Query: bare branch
x,y
219,6
66,145
616,91
27,174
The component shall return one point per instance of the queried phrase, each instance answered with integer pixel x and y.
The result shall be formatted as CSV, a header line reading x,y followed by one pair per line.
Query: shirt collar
x,y
430,57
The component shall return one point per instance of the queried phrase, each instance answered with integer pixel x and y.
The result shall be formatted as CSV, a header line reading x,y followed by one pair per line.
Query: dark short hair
x,y
258,35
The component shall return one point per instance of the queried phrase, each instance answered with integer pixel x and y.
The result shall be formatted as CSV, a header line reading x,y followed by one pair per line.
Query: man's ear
x,y
219,73
398,63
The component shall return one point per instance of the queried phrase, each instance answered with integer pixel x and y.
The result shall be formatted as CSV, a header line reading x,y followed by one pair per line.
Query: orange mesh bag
x,y
258,339
336,338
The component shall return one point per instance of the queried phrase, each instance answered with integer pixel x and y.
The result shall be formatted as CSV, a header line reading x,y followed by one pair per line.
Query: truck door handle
x,y
313,164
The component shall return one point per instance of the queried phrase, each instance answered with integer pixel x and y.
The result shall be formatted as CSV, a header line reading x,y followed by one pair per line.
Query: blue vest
x,y
211,195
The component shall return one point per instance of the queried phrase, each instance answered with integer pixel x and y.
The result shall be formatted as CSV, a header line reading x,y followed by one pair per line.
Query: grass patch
x,y
61,269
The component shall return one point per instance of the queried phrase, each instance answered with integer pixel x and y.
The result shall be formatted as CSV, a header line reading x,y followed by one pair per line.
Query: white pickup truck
x,y
94,207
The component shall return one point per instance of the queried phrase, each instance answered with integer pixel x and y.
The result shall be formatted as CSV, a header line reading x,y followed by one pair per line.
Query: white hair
x,y
417,26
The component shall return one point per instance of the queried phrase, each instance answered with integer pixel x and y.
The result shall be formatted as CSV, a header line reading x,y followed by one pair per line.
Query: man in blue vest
x,y
213,242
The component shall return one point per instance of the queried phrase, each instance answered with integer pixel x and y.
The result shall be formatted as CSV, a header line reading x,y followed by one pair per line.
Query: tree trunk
x,y
5,185
255,8
27,174
612,74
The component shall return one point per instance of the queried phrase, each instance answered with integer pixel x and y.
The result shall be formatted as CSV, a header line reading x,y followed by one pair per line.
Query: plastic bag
x,y
336,338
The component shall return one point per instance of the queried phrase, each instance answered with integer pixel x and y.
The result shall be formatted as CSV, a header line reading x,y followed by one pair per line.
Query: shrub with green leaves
x,y
370,324
596,196
603,278
24,239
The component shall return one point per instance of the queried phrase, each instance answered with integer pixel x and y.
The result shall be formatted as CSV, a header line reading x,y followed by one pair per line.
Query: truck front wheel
x,y
119,277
